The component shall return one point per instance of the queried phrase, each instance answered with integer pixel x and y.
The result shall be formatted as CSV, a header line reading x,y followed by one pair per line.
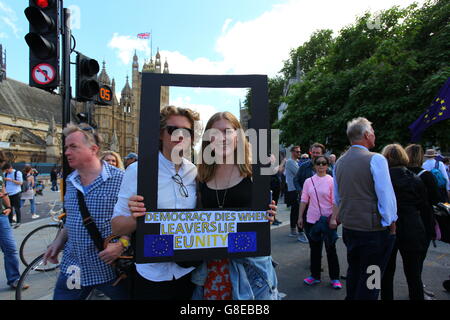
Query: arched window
x,y
14,138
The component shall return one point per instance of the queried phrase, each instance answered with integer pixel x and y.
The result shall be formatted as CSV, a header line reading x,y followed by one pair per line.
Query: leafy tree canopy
x,y
387,72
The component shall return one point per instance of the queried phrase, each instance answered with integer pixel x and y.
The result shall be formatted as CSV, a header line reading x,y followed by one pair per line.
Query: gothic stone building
x,y
30,118
119,124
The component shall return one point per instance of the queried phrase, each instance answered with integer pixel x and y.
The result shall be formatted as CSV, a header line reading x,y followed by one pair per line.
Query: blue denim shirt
x,y
251,279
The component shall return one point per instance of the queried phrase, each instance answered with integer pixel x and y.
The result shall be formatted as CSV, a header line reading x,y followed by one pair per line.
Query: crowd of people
x,y
384,203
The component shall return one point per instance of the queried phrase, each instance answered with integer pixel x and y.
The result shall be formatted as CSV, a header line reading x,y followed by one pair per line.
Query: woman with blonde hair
x,y
411,239
113,158
226,183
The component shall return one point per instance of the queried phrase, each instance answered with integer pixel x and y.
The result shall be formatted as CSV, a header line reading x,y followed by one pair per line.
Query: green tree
x,y
388,74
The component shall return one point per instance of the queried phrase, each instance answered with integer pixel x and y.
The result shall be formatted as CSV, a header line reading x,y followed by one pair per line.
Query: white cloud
x,y
205,111
127,45
226,25
260,45
179,63
9,17
6,9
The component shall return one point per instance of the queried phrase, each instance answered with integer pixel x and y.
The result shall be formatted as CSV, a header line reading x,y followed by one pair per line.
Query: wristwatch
x,y
124,242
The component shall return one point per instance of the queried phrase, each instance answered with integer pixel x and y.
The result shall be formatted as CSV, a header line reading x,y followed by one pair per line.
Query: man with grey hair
x,y
365,203
91,192
332,161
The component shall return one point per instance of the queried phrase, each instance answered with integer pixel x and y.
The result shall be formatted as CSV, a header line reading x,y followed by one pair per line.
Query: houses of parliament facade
x,y
30,118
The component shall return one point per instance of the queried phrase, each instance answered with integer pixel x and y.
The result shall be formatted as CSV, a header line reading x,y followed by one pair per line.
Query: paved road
x,y
293,259
42,205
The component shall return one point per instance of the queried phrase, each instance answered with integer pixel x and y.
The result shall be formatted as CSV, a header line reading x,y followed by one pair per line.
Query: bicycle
x,y
40,279
37,241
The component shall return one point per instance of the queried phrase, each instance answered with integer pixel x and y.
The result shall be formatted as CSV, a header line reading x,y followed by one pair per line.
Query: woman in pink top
x,y
317,195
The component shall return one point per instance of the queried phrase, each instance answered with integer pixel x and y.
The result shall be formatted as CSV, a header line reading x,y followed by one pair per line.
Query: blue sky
x,y
195,36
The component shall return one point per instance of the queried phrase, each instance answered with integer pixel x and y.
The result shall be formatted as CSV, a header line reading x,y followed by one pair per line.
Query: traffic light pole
x,y
66,88
66,50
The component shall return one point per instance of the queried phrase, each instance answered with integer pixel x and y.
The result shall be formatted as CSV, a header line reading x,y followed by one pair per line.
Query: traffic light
x,y
43,41
87,85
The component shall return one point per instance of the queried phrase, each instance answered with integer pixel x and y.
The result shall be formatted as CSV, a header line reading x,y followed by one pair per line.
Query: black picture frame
x,y
149,150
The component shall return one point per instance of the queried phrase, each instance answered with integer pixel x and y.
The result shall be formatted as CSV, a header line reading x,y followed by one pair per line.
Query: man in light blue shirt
x,y
431,163
13,186
387,204
367,205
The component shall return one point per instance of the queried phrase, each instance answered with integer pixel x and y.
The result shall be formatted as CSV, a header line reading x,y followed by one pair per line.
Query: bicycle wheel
x,y
41,281
36,242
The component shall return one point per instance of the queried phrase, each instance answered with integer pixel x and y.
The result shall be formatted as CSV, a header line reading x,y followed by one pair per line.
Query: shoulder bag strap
x,y
436,164
421,172
89,223
315,190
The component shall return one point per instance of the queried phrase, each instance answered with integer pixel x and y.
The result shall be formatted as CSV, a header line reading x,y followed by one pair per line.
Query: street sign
x,y
43,73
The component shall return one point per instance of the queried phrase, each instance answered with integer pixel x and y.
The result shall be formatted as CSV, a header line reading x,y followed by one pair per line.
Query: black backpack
x,y
25,184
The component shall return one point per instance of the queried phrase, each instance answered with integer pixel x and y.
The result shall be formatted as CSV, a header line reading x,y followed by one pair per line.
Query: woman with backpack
x,y
415,155
28,190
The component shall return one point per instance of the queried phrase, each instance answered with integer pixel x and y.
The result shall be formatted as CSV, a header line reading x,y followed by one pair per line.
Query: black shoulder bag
x,y
124,264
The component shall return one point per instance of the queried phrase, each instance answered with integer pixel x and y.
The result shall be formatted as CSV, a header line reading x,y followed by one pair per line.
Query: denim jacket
x,y
251,279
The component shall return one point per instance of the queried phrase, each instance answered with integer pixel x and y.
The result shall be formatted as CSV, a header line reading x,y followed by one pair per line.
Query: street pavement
x,y
292,257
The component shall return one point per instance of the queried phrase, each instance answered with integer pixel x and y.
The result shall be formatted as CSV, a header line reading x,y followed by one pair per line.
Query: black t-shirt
x,y
239,196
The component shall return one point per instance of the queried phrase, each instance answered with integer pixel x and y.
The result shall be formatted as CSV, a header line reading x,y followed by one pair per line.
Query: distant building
x,y
30,123
119,124
31,119
283,106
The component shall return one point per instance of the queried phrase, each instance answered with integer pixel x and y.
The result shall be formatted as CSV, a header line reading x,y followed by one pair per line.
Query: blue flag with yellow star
x,y
438,111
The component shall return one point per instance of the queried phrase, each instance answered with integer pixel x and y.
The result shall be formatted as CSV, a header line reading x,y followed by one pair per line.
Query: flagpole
x,y
151,44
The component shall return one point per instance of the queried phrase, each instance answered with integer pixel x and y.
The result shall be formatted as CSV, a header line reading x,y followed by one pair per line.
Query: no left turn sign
x,y
43,74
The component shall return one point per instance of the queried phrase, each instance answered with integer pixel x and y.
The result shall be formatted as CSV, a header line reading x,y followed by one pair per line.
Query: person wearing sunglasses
x,y
225,185
317,195
176,190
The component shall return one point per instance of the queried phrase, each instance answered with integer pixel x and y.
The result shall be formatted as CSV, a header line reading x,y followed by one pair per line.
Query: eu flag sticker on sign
x,y
156,245
242,242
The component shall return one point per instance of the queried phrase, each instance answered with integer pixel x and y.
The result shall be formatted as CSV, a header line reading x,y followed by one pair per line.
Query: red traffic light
x,y
43,3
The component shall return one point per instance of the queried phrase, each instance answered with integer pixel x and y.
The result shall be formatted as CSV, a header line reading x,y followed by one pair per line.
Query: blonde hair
x,y
395,155
119,161
91,136
206,171
192,116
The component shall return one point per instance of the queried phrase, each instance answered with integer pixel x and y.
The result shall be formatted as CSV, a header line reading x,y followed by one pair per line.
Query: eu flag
x,y
242,242
156,245
438,111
